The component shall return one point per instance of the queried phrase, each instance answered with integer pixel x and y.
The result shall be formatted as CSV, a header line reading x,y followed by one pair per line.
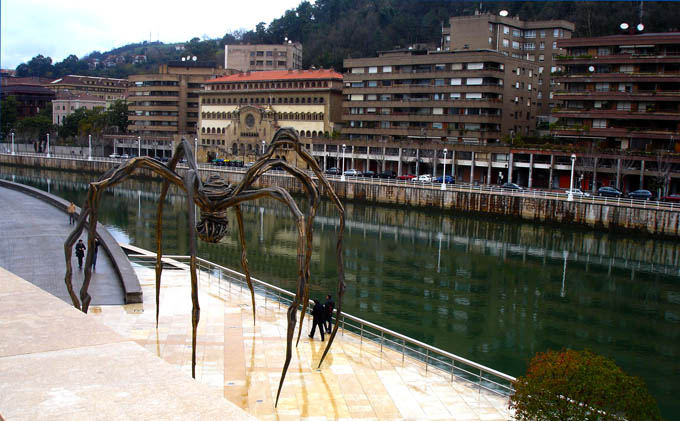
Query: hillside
x,y
331,30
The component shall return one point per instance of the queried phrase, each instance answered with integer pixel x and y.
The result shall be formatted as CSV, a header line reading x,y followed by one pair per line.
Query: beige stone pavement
x,y
58,363
243,362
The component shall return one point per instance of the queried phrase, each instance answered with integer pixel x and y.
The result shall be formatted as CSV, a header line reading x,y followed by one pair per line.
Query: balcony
x,y
616,114
632,133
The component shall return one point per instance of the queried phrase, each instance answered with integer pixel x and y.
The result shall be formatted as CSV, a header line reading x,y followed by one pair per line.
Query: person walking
x,y
318,318
80,253
328,307
96,250
71,209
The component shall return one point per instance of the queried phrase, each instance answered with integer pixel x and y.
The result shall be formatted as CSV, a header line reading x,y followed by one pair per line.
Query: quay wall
x,y
611,215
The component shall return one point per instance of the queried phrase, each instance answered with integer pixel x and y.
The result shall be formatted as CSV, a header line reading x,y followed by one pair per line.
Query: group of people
x,y
80,253
321,316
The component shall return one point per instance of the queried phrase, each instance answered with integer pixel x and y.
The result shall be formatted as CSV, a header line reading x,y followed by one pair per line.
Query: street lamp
x,y
139,145
196,149
263,143
89,147
342,177
444,176
48,145
14,153
570,196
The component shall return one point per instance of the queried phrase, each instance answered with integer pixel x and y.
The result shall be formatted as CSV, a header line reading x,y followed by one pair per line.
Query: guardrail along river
x,y
492,290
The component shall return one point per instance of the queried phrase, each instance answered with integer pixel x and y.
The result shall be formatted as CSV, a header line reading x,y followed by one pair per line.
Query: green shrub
x,y
580,385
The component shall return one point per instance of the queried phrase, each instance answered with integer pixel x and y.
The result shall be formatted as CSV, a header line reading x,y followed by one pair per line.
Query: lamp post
x,y
570,196
89,147
48,145
14,153
263,143
139,145
342,177
196,149
444,175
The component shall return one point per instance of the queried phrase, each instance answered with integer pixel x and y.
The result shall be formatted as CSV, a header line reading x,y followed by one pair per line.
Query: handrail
x,y
445,362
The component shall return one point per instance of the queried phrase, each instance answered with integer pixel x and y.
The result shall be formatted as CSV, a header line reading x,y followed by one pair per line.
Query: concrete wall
x,y
609,216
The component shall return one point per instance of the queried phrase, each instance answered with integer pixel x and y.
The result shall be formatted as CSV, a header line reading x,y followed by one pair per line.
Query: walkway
x,y
32,247
356,382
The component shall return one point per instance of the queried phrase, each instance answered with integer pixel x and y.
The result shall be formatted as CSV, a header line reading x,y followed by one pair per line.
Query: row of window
x,y
428,111
423,125
268,85
267,63
268,53
528,33
279,116
268,100
527,46
425,68
416,97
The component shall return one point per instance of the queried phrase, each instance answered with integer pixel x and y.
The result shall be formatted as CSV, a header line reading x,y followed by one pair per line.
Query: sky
x,y
59,28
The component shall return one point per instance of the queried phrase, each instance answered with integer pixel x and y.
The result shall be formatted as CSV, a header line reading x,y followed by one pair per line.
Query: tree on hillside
x,y
580,385
38,66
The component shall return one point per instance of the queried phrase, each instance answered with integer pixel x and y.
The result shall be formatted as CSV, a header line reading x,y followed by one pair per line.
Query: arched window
x,y
234,149
297,100
202,129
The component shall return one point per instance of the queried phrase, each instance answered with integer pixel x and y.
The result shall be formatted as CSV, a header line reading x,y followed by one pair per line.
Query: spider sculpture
x,y
213,197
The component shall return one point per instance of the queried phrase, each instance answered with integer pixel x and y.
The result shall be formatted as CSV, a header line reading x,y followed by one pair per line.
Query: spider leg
x,y
190,179
282,195
244,257
288,136
68,248
259,168
93,202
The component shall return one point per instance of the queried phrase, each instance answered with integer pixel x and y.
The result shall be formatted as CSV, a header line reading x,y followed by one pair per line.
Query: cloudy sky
x,y
59,28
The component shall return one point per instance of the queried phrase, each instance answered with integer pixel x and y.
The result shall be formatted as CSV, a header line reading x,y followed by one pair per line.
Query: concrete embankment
x,y
608,215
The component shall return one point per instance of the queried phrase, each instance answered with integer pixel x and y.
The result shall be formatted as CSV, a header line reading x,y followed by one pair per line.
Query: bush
x,y
580,385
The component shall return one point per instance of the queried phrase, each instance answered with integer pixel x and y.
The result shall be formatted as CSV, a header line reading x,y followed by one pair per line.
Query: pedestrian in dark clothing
x,y
80,253
328,307
318,318
94,256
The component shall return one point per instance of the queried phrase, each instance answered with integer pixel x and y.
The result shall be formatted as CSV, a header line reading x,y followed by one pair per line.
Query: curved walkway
x,y
32,247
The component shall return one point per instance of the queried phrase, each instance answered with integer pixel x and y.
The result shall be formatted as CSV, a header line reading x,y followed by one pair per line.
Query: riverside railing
x,y
442,362
458,186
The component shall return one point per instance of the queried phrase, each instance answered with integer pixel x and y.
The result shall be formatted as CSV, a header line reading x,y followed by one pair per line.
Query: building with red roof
x,y
238,112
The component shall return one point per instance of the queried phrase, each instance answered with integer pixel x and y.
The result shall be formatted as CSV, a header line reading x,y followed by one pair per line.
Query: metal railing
x,y
458,186
443,363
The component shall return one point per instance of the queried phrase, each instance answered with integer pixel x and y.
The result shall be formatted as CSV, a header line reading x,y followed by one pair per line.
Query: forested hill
x,y
331,30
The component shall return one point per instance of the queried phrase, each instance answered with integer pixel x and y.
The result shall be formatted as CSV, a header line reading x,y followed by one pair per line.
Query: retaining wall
x,y
596,214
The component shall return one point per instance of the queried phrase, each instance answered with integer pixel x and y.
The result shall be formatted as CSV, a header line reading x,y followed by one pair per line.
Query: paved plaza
x,y
56,362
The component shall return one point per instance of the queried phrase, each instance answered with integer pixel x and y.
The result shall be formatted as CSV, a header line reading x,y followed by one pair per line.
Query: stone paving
x,y
357,381
32,247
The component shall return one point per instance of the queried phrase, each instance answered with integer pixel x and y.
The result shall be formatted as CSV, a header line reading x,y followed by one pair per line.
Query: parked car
x,y
125,156
114,155
406,177
510,186
388,174
249,164
369,173
353,172
333,171
449,180
671,198
641,194
425,178
609,191
577,193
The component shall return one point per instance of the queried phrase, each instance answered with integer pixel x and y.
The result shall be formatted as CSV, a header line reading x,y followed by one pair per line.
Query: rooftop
x,y
273,75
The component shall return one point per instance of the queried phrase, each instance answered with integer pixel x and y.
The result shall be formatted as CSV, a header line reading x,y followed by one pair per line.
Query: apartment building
x,y
536,41
621,92
164,107
107,89
471,96
240,111
263,57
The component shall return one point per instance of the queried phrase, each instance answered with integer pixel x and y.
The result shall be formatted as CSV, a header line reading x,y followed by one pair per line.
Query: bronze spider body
x,y
213,197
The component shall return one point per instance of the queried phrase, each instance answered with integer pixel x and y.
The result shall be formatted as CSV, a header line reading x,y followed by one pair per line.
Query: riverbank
x,y
652,218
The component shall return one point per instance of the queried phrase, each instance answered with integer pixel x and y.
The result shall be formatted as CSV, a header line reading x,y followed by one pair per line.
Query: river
x,y
492,290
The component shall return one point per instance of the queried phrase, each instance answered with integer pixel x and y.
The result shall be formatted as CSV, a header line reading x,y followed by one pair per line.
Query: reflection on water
x,y
491,290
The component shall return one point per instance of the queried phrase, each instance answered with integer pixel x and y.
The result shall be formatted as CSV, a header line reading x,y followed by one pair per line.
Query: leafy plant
x,y
580,385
